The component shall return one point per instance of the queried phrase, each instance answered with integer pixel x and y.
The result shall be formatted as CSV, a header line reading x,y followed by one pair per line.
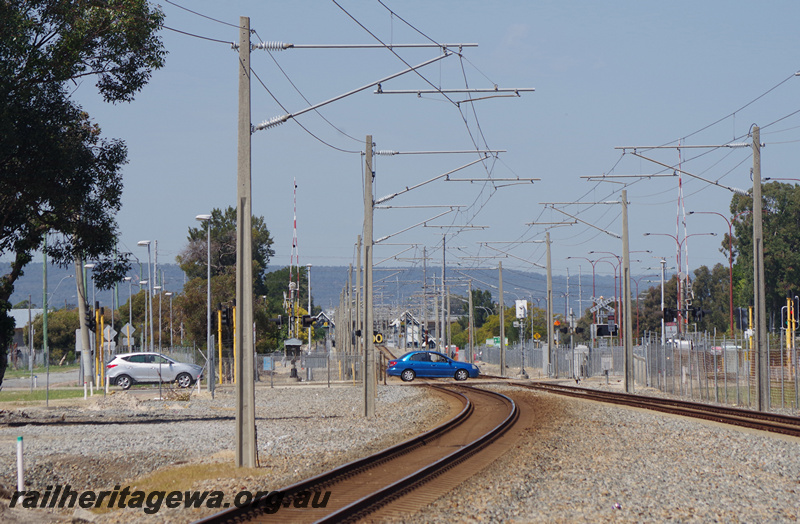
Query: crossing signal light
x,y
226,316
699,313
604,330
307,321
91,323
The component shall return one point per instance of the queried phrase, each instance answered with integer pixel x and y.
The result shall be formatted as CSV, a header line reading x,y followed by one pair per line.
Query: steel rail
x,y
772,422
361,508
256,509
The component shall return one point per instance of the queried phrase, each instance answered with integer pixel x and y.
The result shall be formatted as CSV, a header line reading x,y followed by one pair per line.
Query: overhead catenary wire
x,y
237,26
423,78
298,123
227,42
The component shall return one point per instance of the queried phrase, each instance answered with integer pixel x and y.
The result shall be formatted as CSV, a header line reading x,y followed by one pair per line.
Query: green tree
x,y
57,175
61,326
192,305
781,226
268,287
650,307
482,299
193,259
710,289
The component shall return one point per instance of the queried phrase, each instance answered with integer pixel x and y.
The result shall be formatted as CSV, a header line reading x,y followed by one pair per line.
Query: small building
x,y
21,317
18,344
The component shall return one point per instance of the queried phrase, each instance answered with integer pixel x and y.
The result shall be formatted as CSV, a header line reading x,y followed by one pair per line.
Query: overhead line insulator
x,y
272,46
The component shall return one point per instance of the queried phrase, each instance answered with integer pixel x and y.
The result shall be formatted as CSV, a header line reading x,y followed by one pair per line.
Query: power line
x,y
304,97
202,15
298,123
198,36
759,97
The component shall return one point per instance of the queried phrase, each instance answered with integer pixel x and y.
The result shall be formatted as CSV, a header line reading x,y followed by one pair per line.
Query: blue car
x,y
430,364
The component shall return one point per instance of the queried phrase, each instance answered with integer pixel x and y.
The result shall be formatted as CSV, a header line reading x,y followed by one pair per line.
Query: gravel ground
x,y
580,462
590,462
301,431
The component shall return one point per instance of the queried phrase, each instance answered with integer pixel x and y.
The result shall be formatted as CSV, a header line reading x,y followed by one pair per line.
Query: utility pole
x,y
424,328
360,347
550,349
447,329
86,347
349,313
759,299
442,335
435,312
370,384
626,291
245,387
308,276
502,322
471,327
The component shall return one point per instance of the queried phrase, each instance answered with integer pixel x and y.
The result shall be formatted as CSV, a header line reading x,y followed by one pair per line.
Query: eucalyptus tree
x,y
58,175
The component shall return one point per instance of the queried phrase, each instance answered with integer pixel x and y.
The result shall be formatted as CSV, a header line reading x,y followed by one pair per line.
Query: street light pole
x,y
158,288
144,328
209,350
308,276
730,260
169,294
149,288
681,290
129,280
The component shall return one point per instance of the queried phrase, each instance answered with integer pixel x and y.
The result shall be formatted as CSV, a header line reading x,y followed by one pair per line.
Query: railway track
x,y
771,422
391,478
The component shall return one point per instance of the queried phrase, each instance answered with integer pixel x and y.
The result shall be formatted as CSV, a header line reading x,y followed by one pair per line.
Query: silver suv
x,y
127,369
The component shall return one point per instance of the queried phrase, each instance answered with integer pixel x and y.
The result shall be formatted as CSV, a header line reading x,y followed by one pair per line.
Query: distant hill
x,y
396,287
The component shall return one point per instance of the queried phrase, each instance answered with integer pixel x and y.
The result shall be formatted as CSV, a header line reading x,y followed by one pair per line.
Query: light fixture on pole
x,y
149,288
209,351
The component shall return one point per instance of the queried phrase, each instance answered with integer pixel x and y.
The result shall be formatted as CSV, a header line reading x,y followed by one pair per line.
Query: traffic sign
x,y
537,336
109,333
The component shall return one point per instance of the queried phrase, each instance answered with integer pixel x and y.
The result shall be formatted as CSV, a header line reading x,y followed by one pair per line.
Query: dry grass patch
x,y
184,477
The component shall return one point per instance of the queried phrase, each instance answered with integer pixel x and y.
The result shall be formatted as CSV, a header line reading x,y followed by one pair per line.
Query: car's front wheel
x,y
462,374
124,381
184,380
408,375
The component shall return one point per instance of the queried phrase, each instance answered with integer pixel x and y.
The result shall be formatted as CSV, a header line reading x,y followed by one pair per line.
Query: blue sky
x,y
606,74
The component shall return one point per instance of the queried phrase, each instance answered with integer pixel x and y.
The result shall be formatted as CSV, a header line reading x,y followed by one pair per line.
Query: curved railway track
x,y
375,483
772,422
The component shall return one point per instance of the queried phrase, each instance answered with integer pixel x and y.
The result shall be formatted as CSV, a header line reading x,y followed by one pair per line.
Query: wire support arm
x,y
515,256
586,223
713,183
281,119
412,227
516,90
281,46
437,177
